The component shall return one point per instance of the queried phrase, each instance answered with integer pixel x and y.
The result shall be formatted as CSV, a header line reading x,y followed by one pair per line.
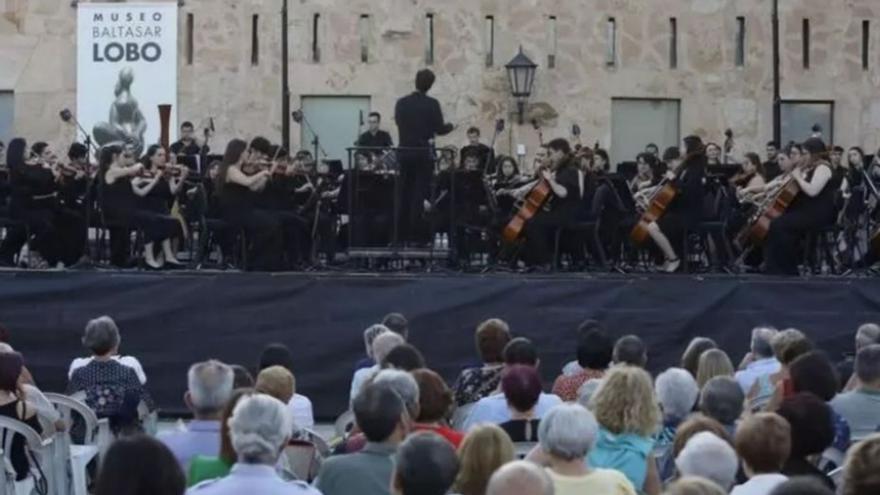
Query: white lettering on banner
x,y
127,32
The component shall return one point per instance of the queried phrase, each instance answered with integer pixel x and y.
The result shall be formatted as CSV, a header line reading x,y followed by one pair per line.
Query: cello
x,y
534,201
659,202
755,232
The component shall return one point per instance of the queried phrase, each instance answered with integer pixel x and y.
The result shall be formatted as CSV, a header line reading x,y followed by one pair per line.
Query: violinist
x,y
812,209
278,198
74,177
686,208
239,180
157,188
506,179
560,171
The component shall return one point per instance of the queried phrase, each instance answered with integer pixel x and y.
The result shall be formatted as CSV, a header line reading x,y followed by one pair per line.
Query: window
x,y
635,122
490,40
316,47
673,43
364,30
552,42
7,115
866,44
189,38
740,41
255,39
429,39
611,42
805,38
799,117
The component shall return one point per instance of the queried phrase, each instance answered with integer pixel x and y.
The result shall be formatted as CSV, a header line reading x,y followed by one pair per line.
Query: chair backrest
x,y
837,476
302,459
40,453
522,449
344,422
68,406
318,441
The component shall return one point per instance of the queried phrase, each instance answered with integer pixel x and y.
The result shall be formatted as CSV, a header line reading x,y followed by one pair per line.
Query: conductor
x,y
419,120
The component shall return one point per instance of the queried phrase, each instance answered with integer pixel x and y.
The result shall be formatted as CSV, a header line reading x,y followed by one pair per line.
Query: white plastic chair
x,y
97,439
343,423
39,453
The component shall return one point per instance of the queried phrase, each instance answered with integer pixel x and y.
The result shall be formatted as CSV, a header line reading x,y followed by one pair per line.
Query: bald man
x,y
520,478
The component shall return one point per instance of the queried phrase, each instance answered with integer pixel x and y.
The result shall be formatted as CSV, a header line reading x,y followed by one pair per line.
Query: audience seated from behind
x,y
861,473
812,431
493,408
630,350
13,404
867,334
370,335
397,323
763,442
435,402
382,345
425,464
139,465
722,399
484,449
206,467
209,387
760,361
129,361
568,433
594,353
49,417
693,485
860,407
803,485
276,381
112,389
521,386
520,478
712,363
260,427
707,456
690,358
768,390
491,337
381,415
677,394
628,416
587,326
403,357
300,406
695,424
814,373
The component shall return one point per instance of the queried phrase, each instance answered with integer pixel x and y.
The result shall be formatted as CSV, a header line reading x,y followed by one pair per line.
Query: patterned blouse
x,y
566,386
112,390
475,383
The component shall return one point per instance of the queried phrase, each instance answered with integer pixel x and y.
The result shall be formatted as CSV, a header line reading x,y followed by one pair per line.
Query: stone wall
x,y
37,61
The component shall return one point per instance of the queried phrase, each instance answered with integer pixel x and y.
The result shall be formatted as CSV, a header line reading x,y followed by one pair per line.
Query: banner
x,y
126,67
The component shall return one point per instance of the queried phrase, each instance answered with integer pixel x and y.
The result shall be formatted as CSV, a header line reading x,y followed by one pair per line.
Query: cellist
x,y
686,208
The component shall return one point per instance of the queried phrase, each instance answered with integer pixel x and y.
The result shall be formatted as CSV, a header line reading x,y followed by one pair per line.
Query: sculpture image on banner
x,y
126,67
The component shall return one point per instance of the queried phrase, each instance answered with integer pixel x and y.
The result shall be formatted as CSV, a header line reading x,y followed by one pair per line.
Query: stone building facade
x,y
712,59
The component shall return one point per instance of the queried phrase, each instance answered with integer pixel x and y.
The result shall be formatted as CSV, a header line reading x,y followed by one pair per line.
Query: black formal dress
x,y
263,230
805,214
563,211
191,149
772,170
419,119
686,209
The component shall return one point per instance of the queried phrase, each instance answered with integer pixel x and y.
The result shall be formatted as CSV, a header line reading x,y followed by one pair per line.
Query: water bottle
x,y
444,241
437,240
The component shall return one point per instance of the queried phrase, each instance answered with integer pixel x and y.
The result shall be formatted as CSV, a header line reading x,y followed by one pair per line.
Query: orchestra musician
x,y
482,153
239,179
374,138
713,154
646,176
560,171
507,177
686,208
187,145
812,209
157,189
750,175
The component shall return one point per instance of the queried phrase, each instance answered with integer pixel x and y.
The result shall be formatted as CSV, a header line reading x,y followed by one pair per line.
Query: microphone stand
x,y
87,261
316,140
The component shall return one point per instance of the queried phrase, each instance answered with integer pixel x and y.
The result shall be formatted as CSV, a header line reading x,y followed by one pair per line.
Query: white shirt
x,y
361,377
129,361
493,409
300,408
747,377
761,484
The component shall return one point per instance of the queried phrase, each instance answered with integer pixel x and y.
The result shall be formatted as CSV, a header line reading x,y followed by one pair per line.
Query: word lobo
x,y
130,52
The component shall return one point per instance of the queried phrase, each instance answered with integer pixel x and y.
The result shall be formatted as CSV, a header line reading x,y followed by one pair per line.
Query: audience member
x,y
698,423
812,431
425,465
594,353
586,391
860,407
491,337
382,345
49,417
768,390
381,416
206,467
763,442
567,435
722,399
814,373
243,377
760,360
105,325
299,405
630,350
712,363
708,456
139,465
397,323
803,485
259,428
520,478
209,387
370,335
587,326
867,334
404,357
690,358
484,449
521,386
435,402
404,385
277,382
691,485
677,394
628,416
494,409
861,472
112,389
13,405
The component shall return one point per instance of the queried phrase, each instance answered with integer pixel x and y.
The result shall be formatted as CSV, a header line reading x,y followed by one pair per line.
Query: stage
x,y
169,320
